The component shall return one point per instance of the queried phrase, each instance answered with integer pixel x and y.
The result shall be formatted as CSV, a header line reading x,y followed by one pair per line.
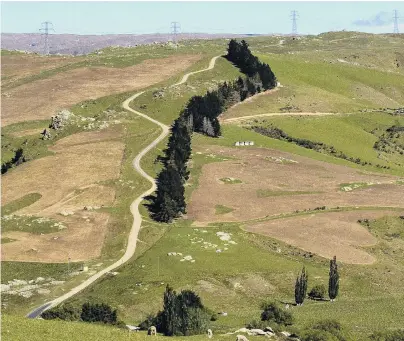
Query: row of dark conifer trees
x,y
241,56
201,115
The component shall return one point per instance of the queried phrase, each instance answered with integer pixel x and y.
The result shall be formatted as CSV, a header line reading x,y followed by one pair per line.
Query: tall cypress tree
x,y
170,311
333,282
183,313
169,202
301,286
179,146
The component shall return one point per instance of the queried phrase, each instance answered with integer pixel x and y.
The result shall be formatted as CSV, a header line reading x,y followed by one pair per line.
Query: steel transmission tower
x,y
396,21
294,15
175,28
46,27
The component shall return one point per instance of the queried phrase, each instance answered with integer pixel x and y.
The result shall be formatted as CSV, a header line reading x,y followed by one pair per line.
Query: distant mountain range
x,y
82,44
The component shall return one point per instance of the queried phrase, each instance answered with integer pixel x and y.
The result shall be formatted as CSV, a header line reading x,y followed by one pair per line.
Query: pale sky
x,y
81,17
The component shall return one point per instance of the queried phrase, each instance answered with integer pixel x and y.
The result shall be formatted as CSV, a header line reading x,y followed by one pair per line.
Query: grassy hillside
x,y
256,268
264,268
314,86
17,328
382,51
354,135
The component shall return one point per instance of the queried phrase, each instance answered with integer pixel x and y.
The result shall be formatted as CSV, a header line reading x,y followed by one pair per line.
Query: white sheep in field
x,y
241,338
210,334
152,331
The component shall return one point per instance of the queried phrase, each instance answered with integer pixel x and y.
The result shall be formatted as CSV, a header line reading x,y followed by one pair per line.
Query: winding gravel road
x,y
134,207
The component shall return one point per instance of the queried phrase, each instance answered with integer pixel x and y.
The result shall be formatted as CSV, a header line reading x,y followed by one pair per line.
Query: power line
x,y
396,21
175,28
46,27
294,15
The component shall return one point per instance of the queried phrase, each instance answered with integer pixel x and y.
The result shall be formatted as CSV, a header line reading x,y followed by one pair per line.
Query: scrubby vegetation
x,y
17,160
391,141
64,312
273,313
89,312
183,315
317,292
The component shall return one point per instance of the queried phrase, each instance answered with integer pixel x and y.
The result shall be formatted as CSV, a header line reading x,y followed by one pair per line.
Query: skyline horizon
x,y
229,17
205,33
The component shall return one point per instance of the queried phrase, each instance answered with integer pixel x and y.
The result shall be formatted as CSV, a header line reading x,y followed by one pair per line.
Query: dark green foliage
x,y
169,315
17,160
333,283
200,115
146,324
325,330
169,201
389,141
241,56
301,287
64,312
183,314
98,313
397,335
317,292
89,312
179,147
272,312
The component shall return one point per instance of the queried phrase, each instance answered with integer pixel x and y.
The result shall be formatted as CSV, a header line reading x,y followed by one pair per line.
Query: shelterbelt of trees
x,y
201,115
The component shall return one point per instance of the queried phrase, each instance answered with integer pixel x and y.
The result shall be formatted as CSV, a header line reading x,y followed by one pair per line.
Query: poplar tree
x,y
169,313
301,286
333,282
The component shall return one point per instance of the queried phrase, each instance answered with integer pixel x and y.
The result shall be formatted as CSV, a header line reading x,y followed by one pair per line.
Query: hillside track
x,y
134,207
241,118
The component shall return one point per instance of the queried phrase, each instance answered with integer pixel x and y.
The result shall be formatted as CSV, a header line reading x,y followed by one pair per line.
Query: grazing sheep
x,y
241,338
152,331
210,334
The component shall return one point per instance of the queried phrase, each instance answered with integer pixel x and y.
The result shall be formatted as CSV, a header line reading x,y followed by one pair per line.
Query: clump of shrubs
x,y
64,312
317,292
89,312
272,312
183,315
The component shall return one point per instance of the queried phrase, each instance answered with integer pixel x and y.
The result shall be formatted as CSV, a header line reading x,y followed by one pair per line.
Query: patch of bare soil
x,y
67,181
293,183
42,98
326,234
14,67
82,240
